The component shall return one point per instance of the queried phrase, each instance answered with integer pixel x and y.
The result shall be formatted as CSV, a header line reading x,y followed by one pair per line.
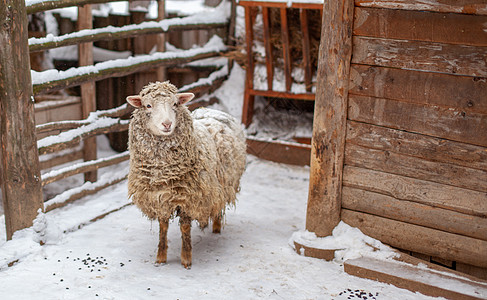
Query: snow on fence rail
x,y
207,20
52,80
35,6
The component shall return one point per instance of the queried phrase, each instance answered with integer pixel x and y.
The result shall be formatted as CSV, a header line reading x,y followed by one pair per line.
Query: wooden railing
x,y
22,190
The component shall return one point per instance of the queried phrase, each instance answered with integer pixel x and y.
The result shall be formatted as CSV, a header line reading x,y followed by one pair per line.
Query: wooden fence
x,y
21,180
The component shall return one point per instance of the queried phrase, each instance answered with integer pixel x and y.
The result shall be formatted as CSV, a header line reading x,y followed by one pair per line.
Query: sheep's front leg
x,y
217,224
162,248
186,249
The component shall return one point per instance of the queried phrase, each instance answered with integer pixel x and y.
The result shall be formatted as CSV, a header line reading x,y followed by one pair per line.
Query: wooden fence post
x,y
88,90
330,117
20,172
161,38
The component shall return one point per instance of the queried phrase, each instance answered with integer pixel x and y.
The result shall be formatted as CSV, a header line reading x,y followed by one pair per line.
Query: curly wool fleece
x,y
195,171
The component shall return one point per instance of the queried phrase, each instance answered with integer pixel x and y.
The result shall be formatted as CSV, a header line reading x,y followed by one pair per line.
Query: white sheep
x,y
182,164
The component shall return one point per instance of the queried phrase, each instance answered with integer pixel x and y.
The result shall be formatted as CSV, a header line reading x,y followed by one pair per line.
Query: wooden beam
x,y
48,5
457,6
88,89
20,171
329,125
280,151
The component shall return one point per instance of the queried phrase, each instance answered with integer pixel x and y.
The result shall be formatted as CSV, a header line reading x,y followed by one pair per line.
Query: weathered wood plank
x,y
61,159
330,118
19,162
421,26
431,120
478,7
423,56
414,213
419,239
459,92
279,151
405,165
39,6
416,190
416,279
417,145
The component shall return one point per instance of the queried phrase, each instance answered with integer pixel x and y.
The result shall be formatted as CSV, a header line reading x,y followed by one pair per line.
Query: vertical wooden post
x,y
19,168
161,38
248,104
303,13
269,59
330,116
88,91
286,50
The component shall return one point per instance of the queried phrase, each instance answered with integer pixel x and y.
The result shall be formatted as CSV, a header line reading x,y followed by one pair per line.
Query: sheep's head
x,y
161,102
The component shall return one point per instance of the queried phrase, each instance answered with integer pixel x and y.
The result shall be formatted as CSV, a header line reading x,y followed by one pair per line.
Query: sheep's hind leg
x,y
186,249
217,224
162,248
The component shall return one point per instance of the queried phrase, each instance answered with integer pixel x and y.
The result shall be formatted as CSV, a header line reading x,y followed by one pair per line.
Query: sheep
x,y
182,164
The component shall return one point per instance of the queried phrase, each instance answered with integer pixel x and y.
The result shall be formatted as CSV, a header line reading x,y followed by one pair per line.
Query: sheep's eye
x,y
175,105
148,106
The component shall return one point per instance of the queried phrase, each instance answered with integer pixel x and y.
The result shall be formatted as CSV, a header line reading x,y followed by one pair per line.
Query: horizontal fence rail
x,y
35,6
211,20
52,80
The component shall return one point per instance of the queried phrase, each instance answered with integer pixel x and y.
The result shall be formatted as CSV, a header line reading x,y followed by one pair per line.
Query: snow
x,y
251,259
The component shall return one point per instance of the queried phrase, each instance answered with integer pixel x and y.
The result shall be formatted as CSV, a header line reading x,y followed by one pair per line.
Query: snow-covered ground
x,y
113,258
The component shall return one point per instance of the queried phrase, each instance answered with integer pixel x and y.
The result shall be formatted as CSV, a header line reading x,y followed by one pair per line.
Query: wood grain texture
x,y
422,56
329,124
405,165
421,26
430,120
417,145
19,161
415,213
88,89
248,101
420,191
420,239
455,6
459,92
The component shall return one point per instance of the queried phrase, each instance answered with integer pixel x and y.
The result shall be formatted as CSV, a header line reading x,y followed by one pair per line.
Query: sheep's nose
x,y
167,125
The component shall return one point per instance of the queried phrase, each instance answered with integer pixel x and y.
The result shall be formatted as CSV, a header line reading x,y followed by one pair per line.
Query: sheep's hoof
x,y
161,261
186,265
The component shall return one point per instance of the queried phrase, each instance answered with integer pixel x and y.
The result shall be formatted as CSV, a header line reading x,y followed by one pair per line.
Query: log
x,y
420,191
405,165
54,4
417,145
109,34
420,26
421,56
419,239
457,6
128,66
460,92
443,122
83,167
75,139
414,213
19,162
329,124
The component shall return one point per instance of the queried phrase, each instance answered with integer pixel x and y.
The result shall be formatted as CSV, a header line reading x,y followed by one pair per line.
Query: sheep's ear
x,y
184,98
135,101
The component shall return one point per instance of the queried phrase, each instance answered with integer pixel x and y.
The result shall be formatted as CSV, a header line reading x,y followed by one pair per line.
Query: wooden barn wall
x,y
415,167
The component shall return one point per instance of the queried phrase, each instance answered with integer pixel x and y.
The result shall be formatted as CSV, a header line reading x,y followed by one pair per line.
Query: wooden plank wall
x,y
415,166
